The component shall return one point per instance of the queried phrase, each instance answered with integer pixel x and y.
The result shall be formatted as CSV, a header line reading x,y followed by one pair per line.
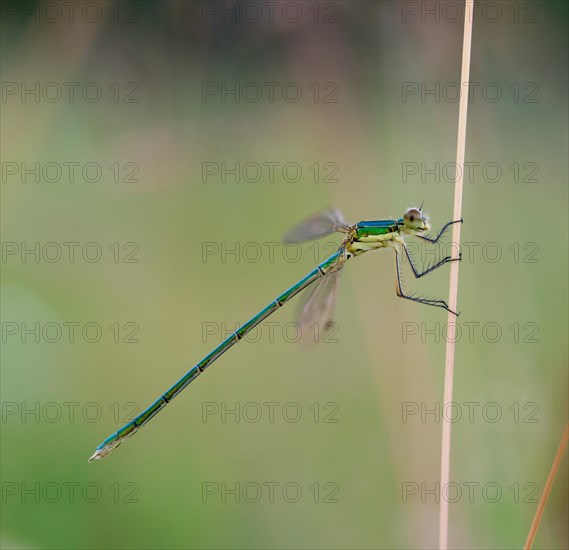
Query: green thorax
x,y
377,227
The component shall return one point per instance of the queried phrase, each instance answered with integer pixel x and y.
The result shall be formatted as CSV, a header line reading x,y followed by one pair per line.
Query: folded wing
x,y
317,226
316,309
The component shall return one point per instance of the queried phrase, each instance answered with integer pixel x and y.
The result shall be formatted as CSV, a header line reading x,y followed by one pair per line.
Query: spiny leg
x,y
441,232
444,261
401,294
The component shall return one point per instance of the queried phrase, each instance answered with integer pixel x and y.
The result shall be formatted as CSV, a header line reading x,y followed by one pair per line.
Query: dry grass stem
x,y
547,488
453,287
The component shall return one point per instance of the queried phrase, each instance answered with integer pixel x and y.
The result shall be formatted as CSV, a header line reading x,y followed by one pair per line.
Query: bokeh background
x,y
150,294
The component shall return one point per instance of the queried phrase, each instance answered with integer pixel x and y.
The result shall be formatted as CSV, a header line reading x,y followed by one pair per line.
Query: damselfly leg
x,y
447,259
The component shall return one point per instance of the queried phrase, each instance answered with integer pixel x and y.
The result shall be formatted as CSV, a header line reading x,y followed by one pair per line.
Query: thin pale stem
x,y
547,488
453,287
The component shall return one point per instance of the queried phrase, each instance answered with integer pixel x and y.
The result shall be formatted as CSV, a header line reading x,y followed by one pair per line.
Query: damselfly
x,y
318,304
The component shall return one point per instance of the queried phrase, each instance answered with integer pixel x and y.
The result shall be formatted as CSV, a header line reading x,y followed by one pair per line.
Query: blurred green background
x,y
366,472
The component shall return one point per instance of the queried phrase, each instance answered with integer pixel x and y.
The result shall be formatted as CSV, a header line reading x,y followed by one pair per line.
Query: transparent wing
x,y
316,309
317,226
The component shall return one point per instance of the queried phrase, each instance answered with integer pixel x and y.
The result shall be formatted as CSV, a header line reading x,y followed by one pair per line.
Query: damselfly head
x,y
415,220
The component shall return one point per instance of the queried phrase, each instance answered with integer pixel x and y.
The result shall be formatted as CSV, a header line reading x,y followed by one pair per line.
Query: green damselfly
x,y
318,304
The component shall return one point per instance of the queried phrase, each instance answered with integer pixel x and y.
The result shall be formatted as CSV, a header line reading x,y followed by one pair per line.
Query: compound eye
x,y
412,214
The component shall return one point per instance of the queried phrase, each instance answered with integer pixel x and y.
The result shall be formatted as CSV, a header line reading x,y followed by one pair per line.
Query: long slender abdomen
x,y
113,441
